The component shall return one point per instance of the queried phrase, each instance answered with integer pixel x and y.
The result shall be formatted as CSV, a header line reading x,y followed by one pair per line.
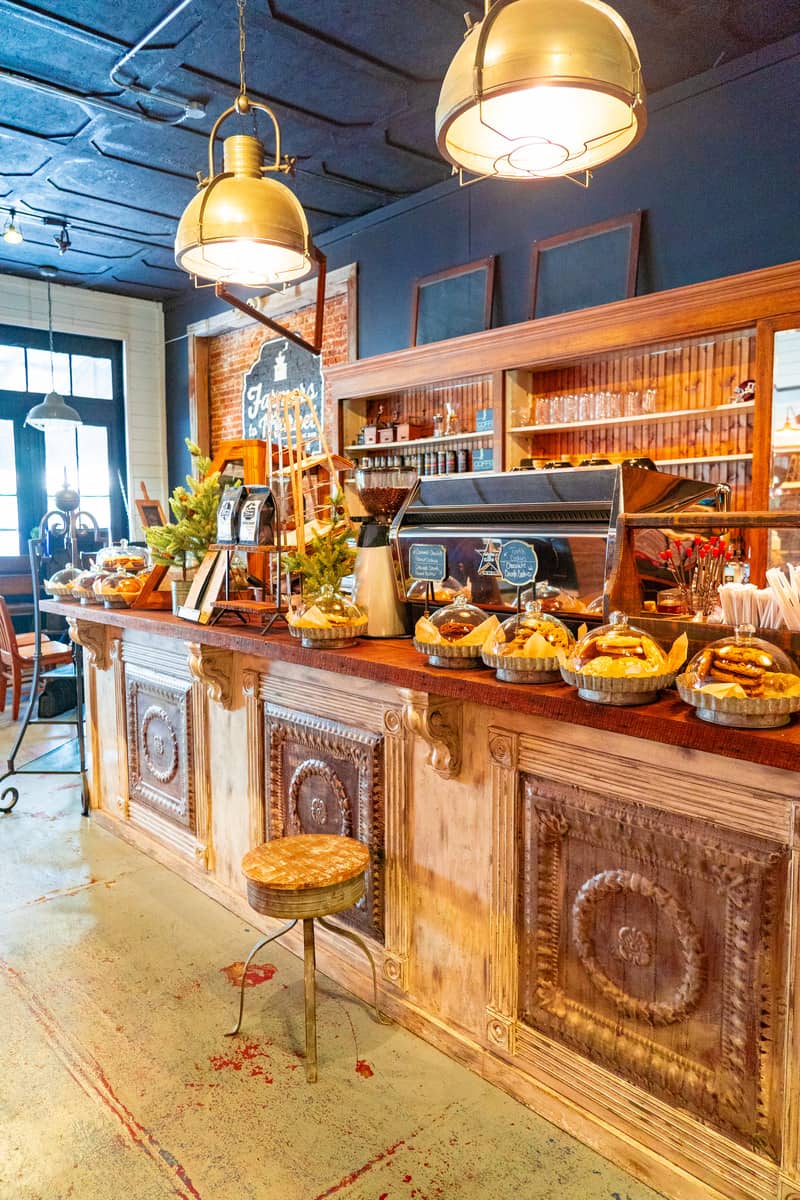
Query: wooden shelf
x,y
379,447
703,458
675,414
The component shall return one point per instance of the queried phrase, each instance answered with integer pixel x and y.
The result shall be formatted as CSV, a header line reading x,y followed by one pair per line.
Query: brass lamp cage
x,y
541,89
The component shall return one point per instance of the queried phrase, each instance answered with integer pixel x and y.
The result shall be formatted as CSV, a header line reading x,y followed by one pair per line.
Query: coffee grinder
x,y
382,492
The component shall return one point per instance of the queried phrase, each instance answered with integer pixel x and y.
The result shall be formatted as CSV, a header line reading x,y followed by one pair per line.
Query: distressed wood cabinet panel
x,y
327,777
160,774
653,944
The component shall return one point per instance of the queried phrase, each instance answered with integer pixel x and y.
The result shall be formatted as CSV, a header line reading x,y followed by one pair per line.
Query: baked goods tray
x,y
619,690
749,712
516,668
450,655
336,637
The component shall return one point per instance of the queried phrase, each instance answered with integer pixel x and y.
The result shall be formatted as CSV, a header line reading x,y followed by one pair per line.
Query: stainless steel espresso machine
x,y
568,515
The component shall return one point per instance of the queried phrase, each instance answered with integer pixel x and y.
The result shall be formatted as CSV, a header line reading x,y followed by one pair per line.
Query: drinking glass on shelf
x,y
585,407
633,401
541,410
649,397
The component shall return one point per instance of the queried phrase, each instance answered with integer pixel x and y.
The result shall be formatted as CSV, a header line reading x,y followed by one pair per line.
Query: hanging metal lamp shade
x,y
52,411
541,89
242,227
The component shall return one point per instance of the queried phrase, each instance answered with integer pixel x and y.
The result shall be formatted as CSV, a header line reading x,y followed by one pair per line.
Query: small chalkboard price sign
x,y
518,563
427,562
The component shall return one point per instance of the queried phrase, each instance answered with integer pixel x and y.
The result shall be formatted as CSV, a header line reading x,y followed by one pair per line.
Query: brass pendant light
x,y
241,227
541,89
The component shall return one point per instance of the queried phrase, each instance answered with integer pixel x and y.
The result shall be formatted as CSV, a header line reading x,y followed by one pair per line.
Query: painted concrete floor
x,y
117,981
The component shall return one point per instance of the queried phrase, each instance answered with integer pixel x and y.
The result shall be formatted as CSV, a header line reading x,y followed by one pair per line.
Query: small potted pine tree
x,y
182,544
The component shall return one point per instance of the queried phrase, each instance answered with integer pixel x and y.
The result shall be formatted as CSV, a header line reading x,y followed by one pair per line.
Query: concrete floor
x,y
117,981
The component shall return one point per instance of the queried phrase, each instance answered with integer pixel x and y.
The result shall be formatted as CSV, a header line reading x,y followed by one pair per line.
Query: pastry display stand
x,y
9,795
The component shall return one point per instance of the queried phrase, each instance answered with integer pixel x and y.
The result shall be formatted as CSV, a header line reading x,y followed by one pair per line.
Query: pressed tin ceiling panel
x,y
354,86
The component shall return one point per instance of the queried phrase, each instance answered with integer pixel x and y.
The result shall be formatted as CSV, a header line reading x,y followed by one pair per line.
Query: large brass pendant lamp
x,y
541,89
245,226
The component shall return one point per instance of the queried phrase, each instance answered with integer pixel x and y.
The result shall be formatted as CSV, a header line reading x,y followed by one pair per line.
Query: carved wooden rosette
x,y
326,777
213,667
438,722
97,640
647,942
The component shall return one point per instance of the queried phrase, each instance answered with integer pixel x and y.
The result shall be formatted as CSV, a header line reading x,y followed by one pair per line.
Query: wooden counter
x,y
596,908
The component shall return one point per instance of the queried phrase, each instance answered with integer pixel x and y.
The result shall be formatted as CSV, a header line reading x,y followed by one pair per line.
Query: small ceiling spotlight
x,y
62,239
12,233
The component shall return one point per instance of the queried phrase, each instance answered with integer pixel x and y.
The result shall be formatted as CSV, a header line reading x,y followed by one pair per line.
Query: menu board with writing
x,y
281,367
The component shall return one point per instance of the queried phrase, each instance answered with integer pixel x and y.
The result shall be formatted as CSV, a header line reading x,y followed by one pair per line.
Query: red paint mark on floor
x,y
260,973
244,1056
88,1074
59,893
364,1069
372,1162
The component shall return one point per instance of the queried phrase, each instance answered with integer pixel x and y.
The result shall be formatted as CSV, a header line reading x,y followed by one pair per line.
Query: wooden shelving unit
x,y
443,440
639,418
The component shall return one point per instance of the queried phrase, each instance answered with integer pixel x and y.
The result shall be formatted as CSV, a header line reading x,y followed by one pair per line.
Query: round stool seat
x,y
308,875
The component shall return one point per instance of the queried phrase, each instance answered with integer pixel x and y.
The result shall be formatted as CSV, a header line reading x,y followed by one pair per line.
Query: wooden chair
x,y
17,652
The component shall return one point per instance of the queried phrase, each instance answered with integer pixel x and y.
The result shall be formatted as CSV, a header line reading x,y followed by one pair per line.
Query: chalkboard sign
x,y
427,562
593,265
518,563
452,303
281,367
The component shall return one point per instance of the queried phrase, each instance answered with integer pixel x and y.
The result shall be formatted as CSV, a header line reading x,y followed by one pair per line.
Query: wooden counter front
x,y
595,908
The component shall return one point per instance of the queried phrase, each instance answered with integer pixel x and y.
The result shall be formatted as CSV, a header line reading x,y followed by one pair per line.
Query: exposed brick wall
x,y
232,354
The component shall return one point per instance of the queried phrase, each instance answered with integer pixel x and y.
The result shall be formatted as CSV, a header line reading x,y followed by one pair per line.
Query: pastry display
x,y
743,681
328,621
443,592
84,583
454,636
618,664
526,648
119,589
60,584
121,557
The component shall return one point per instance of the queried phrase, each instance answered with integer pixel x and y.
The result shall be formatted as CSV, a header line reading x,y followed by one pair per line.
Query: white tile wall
x,y
139,325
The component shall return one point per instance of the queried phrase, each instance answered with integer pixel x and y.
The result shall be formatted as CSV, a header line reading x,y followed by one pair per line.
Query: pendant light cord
x,y
240,4
50,333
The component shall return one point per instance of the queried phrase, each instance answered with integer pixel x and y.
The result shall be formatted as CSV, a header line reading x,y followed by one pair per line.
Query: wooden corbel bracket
x,y
438,722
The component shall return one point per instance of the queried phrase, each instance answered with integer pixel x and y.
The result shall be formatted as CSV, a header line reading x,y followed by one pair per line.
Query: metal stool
x,y
311,875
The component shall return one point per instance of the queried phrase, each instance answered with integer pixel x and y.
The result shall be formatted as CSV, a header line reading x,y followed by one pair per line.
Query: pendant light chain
x,y
240,4
50,333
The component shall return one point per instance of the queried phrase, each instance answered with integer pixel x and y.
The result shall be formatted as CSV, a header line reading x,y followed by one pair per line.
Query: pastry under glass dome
x,y
526,648
742,681
453,636
619,664
328,621
60,583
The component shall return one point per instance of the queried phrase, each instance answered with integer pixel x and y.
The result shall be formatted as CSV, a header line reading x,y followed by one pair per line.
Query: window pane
x,y
93,461
9,541
8,470
39,372
12,368
99,507
60,455
91,377
8,512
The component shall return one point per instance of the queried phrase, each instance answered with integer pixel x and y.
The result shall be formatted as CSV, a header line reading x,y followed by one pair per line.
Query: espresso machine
x,y
383,493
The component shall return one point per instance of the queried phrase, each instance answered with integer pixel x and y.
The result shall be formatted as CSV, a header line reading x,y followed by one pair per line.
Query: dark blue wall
x,y
716,173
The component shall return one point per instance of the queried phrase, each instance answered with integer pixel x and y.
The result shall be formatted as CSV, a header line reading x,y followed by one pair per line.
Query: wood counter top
x,y
395,662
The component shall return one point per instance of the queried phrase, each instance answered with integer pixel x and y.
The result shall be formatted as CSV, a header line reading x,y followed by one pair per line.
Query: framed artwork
x,y
149,510
451,303
589,266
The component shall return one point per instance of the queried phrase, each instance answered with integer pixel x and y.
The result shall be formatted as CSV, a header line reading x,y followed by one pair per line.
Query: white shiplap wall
x,y
139,325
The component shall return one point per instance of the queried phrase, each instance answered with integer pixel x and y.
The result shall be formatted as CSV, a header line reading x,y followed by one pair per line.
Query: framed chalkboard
x,y
593,265
452,302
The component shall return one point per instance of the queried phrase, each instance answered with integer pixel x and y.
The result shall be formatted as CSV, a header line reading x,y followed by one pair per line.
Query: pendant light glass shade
x,y
243,228
52,412
541,89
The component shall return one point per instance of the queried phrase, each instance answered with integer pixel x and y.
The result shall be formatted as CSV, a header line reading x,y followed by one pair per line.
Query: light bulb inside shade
x,y
12,233
246,262
543,131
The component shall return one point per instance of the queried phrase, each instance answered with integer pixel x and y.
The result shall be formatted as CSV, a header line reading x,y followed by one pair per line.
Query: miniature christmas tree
x,y
194,508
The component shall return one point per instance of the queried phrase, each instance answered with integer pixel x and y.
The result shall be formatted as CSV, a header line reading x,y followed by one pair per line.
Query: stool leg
x,y
310,965
258,946
353,937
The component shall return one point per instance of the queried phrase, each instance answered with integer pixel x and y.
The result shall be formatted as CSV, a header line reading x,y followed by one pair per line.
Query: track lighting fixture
x,y
62,239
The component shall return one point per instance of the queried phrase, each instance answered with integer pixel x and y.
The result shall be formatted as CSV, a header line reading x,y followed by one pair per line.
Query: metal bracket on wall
x,y
256,314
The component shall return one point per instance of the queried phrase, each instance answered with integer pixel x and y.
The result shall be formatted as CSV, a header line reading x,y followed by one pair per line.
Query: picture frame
x,y
149,509
597,264
452,303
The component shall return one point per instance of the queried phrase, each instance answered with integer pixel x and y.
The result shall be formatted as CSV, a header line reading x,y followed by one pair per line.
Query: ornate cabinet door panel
x,y
648,943
160,745
326,777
